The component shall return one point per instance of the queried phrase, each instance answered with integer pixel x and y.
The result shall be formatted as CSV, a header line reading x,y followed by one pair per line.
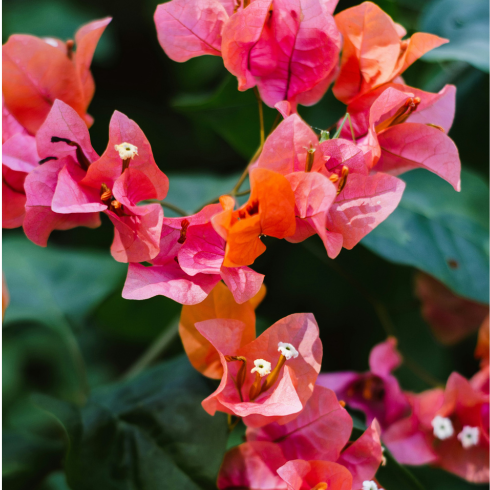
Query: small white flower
x,y
469,436
126,150
369,485
262,367
287,350
443,428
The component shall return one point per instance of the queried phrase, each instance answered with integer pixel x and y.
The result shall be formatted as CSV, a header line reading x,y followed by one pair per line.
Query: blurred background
x,y
68,331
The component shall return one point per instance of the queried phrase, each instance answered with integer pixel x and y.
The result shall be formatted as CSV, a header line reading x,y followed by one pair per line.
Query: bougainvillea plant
x,y
304,428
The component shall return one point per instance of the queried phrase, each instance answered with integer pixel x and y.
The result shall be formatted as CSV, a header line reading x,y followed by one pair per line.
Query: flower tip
x,y
287,350
262,367
126,150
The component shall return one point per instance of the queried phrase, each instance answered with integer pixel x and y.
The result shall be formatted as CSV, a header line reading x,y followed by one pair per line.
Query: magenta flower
x,y
400,128
190,264
336,195
287,355
377,392
446,428
73,184
288,49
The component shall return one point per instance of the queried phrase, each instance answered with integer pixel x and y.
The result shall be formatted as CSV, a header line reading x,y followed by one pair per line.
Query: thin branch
x,y
243,193
261,116
154,351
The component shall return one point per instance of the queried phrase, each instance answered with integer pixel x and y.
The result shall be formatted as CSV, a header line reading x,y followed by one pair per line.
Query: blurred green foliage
x,y
69,335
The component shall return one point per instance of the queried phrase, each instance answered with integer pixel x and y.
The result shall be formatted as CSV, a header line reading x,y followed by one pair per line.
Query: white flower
x,y
126,150
51,41
369,485
443,428
287,350
262,367
469,436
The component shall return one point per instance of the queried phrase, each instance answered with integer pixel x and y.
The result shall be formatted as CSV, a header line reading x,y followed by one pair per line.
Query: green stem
x,y
243,193
154,351
261,116
337,134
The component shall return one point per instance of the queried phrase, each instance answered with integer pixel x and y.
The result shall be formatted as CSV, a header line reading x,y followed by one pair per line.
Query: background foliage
x,y
69,338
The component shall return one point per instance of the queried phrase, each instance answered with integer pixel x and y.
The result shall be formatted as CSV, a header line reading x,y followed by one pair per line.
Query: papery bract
x,y
293,385
451,317
190,264
36,73
377,392
300,474
269,211
219,304
373,51
252,466
287,48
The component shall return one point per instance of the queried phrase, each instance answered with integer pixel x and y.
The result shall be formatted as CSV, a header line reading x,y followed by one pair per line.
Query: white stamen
x,y
443,428
126,150
469,436
262,367
287,350
369,485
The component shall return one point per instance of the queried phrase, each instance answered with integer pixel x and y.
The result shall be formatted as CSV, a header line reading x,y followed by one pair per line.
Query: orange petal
x,y
219,304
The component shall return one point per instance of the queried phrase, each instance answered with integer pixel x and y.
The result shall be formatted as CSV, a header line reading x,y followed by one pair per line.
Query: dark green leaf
x,y
233,115
27,458
439,231
150,433
465,24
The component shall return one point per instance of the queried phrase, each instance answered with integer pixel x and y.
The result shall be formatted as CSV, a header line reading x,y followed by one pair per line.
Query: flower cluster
x,y
447,428
301,184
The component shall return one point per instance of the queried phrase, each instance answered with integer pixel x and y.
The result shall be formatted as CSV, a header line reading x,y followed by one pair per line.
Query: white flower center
x,y
443,428
469,436
126,150
369,485
287,350
262,367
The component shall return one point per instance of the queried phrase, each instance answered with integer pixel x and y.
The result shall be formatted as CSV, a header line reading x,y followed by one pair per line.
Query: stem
x,y
242,178
261,116
155,349
243,193
337,134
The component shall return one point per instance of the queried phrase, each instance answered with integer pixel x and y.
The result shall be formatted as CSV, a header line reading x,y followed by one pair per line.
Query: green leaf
x,y
439,231
149,433
57,288
232,114
191,192
465,24
27,458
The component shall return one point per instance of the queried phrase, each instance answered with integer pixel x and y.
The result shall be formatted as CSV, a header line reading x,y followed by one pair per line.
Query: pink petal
x,y
284,108
414,145
70,197
19,153
301,474
132,187
10,125
363,457
385,358
286,148
86,39
313,193
340,152
167,280
203,250
320,431
338,382
137,236
190,28
13,198
364,203
64,122
40,221
297,49
108,168
252,465
243,282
